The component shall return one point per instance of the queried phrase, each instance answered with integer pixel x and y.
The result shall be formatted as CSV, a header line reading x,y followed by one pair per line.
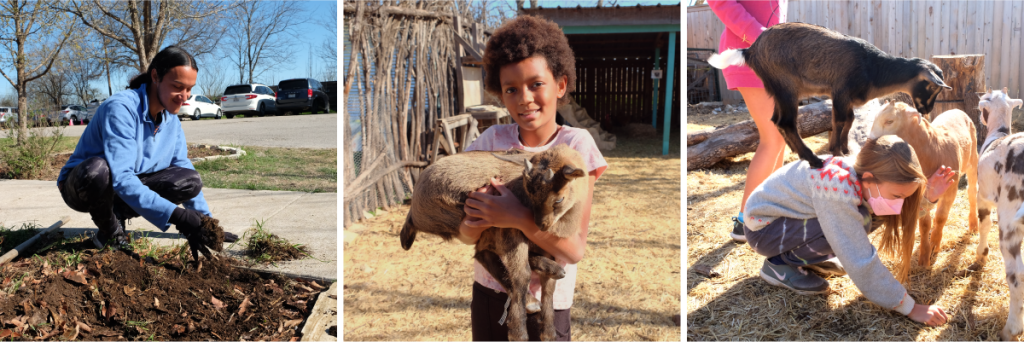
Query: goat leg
x,y
497,269
941,216
924,225
785,119
546,266
1011,232
842,116
547,313
516,259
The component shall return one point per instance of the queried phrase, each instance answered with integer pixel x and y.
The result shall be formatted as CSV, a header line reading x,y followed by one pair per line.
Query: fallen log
x,y
707,147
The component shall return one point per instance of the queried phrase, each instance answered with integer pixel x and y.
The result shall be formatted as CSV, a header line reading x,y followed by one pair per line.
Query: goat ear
x,y
984,115
932,77
572,172
1016,103
1005,91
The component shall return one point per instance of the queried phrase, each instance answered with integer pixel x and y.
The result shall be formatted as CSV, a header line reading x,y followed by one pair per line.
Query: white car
x,y
67,113
8,116
198,106
248,99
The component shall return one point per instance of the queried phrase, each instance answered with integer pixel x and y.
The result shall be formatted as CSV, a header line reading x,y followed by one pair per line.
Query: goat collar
x,y
992,136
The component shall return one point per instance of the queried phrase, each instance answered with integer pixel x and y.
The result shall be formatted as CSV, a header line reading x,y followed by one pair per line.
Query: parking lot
x,y
305,131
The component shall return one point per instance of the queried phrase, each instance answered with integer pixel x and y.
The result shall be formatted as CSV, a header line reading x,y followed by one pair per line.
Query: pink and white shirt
x,y
503,137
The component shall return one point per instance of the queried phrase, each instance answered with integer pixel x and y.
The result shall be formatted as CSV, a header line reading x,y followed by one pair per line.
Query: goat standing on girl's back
x,y
950,140
1001,186
796,60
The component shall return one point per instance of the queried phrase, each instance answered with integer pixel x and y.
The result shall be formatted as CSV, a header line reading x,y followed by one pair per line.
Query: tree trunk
x,y
966,74
711,146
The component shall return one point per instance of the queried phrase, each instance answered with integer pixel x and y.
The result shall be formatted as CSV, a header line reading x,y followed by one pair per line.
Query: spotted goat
x,y
1001,186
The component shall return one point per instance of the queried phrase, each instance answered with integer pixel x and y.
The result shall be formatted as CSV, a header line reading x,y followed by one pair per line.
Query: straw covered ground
x,y
627,286
738,305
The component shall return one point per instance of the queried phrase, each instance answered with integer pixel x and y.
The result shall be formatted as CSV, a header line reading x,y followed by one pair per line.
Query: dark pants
x,y
89,188
487,308
796,242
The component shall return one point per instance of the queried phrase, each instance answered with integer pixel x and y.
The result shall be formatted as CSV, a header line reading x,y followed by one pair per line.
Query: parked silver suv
x,y
67,113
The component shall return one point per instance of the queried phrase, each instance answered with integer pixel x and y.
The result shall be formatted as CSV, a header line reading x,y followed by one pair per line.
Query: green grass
x,y
274,168
11,237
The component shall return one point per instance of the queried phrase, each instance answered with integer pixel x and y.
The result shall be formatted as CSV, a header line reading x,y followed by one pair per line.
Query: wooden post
x,y
460,98
670,74
966,74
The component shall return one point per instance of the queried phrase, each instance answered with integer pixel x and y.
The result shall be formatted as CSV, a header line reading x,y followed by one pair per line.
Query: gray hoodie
x,y
831,194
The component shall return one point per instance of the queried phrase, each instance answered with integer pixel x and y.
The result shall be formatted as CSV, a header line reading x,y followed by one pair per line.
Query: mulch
x,y
110,296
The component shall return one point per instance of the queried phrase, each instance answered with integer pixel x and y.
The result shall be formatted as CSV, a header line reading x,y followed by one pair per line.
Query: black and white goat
x,y
796,60
1001,186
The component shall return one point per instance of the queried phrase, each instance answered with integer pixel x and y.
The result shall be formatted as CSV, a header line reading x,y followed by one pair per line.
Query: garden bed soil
x,y
110,295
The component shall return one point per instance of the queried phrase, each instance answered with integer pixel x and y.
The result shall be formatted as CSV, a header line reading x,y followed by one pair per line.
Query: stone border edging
x,y
235,152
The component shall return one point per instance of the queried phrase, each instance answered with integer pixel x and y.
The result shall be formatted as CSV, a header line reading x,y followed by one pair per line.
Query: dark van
x,y
301,94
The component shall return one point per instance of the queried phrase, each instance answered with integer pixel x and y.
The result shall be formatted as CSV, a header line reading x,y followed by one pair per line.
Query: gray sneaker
x,y
831,267
737,231
793,278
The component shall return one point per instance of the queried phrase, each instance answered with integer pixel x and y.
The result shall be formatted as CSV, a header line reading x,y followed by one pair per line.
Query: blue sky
x,y
311,34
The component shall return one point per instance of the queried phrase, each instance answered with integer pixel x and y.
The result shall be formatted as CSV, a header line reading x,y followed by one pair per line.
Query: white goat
x,y
949,140
1001,171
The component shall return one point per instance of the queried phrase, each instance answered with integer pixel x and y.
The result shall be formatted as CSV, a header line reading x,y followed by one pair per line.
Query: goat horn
x,y
549,175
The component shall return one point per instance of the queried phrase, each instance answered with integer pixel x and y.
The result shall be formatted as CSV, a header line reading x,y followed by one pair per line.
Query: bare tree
x,y
212,82
82,68
262,35
329,48
54,85
142,26
9,100
27,27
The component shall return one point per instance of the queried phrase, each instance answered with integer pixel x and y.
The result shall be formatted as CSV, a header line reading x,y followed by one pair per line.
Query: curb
x,y
323,317
235,152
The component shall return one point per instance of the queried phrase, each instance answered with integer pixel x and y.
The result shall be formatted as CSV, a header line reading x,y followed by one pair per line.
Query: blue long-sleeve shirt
x,y
123,133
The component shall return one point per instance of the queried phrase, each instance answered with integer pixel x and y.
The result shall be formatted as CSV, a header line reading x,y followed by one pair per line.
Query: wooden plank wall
x,y
907,29
617,92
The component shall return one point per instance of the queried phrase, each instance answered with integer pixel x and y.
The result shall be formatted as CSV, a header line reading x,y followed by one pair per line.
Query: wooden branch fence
x,y
400,80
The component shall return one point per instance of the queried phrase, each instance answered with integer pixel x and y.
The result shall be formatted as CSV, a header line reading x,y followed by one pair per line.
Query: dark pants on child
x,y
487,308
796,242
89,188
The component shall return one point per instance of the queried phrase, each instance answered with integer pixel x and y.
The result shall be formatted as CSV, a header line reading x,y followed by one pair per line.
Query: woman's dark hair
x,y
165,60
527,36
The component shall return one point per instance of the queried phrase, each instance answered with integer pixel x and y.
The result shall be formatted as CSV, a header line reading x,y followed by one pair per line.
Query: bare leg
x,y
771,149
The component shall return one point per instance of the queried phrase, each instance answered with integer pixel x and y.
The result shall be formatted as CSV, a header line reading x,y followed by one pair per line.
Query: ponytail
x,y
139,80
165,60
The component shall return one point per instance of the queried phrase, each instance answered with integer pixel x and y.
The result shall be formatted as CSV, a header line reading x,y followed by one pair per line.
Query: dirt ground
x,y
76,292
627,287
738,305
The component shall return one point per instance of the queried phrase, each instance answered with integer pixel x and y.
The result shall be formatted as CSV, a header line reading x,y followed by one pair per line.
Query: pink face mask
x,y
885,207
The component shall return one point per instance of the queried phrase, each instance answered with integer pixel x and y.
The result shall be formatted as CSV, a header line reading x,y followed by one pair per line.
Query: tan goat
x,y
949,140
552,184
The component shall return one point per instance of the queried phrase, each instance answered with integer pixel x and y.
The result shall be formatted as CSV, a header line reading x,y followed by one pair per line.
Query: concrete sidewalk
x,y
305,218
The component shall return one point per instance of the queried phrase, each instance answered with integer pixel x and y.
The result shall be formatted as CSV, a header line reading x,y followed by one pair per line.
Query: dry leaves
x,y
244,306
217,304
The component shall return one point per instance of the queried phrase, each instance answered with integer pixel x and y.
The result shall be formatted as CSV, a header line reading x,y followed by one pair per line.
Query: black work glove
x,y
190,223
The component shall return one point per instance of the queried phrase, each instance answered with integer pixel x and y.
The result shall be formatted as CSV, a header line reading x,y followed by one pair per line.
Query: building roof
x,y
657,15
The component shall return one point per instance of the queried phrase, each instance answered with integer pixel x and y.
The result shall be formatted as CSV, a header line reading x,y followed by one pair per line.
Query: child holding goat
x,y
744,21
803,218
531,68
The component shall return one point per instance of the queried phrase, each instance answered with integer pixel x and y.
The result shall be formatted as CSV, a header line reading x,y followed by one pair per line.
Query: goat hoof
x,y
532,307
1006,335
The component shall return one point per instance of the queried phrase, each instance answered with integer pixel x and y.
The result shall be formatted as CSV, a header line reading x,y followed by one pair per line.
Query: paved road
x,y
308,131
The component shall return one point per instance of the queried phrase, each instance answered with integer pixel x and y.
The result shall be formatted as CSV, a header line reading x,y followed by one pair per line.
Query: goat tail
x,y
408,234
728,58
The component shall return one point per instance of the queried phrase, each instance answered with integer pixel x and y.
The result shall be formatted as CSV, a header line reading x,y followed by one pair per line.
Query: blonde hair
x,y
890,159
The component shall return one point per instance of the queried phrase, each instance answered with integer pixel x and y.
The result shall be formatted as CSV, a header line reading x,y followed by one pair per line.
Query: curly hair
x,y
527,36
